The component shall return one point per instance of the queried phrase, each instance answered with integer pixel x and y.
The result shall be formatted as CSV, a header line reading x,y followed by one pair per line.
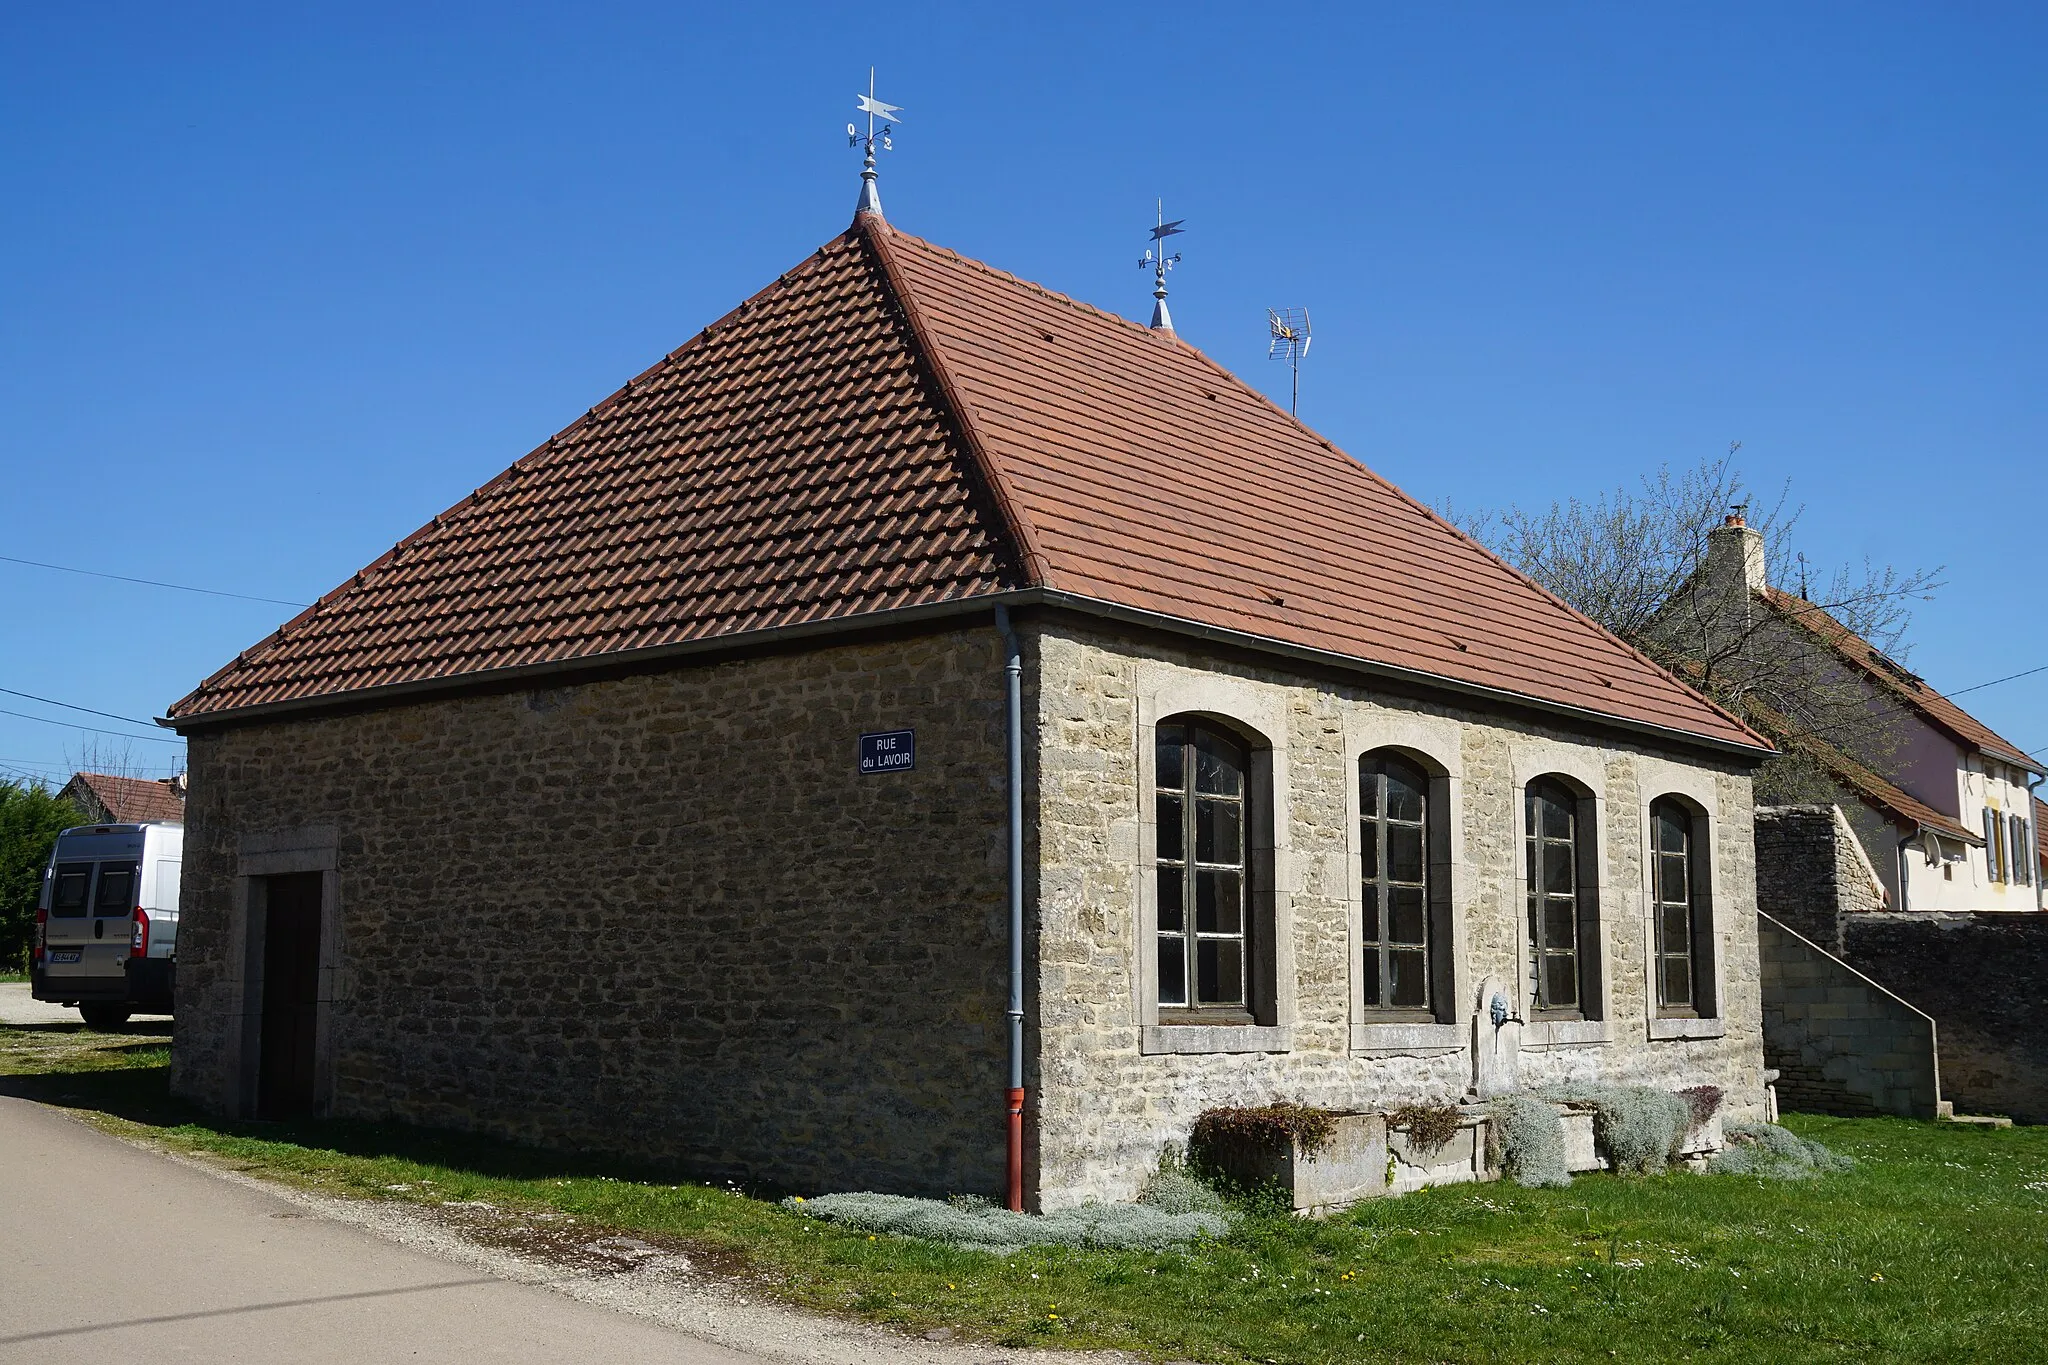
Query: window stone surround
x,y
1656,778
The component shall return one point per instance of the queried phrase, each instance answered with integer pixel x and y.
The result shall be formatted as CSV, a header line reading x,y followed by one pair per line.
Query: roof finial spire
x,y
870,197
1159,262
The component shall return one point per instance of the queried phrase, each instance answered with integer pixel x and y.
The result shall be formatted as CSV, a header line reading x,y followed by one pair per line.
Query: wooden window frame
x,y
1190,1009
1698,908
1585,952
1376,948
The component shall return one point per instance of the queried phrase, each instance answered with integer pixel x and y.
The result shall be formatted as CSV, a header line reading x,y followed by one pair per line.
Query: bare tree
x,y
1636,561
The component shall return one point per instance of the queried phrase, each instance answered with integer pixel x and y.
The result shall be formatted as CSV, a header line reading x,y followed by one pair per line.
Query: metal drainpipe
x,y
1013,683
1905,869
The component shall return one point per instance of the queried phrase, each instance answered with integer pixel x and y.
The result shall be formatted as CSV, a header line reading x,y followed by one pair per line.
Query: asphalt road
x,y
111,1254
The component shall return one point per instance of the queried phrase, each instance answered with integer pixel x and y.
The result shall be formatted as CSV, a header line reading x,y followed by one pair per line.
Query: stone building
x,y
1940,801
653,799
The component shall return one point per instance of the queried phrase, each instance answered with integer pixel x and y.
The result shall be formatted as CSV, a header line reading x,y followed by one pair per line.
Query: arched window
x,y
1681,904
1394,890
1204,892
1557,902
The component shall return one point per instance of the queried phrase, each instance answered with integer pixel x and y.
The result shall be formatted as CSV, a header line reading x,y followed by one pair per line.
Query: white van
x,y
107,921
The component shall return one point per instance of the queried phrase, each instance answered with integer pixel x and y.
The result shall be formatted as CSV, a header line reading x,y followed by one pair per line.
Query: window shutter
x,y
1991,845
2022,865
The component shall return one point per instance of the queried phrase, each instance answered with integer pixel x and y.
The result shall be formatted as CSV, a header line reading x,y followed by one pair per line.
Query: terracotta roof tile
x,y
128,800
1881,669
891,425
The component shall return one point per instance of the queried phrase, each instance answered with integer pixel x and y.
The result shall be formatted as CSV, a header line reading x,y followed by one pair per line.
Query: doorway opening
x,y
291,995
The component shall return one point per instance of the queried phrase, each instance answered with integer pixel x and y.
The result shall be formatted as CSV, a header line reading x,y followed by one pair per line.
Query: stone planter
x,y
1357,1162
1581,1149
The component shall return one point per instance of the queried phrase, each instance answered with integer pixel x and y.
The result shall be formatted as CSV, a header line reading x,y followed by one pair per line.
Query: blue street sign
x,y
892,751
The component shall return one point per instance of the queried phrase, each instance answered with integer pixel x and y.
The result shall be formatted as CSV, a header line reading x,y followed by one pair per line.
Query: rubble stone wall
x,y
662,916
1984,978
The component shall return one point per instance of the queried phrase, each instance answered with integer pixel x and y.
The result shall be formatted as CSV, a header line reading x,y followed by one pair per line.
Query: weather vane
x,y
870,198
1158,262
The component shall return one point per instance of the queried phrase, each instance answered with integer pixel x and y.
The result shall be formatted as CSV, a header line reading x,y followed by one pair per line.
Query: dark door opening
x,y
291,993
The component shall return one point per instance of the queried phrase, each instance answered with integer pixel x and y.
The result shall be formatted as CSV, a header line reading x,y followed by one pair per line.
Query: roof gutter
x,y
640,659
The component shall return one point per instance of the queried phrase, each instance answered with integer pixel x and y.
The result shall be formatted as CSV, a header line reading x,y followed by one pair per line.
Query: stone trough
x,y
1368,1158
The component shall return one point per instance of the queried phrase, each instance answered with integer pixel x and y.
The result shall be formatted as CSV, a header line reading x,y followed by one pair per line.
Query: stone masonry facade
x,y
1840,1042
661,916
1113,1087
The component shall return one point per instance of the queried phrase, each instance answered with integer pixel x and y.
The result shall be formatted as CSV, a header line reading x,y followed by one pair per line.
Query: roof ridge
x,y
1037,569
1041,290
1439,521
1802,613
474,498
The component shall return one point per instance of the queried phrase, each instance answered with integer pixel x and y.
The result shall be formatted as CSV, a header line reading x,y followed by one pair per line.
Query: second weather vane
x,y
1158,262
870,197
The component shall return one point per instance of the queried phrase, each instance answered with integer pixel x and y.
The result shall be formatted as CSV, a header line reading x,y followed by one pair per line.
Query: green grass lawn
x,y
1933,1249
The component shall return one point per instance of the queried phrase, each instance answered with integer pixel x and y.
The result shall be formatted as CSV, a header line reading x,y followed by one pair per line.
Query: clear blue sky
x,y
277,283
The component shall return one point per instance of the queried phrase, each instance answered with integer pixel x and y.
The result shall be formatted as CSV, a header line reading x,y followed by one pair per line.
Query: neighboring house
x,y
110,800
653,799
1943,804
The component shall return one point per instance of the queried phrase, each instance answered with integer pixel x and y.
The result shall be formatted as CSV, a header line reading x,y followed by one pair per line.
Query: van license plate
x,y
74,955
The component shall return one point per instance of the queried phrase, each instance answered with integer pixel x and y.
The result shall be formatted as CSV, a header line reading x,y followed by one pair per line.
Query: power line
x,y
150,582
117,734
1996,681
47,701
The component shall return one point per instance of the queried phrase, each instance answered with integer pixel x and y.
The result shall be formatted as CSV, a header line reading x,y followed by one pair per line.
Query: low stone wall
x,y
1842,1043
1984,977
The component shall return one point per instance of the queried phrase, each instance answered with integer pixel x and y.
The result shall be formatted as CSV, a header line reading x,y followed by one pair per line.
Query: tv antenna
x,y
1287,332
1158,262
870,197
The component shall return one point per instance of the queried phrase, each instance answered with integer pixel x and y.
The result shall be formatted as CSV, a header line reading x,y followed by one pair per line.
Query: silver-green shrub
x,y
1766,1150
980,1226
1641,1129
1529,1138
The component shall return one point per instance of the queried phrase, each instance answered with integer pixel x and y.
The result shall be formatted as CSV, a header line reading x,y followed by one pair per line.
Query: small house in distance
x,y
110,800
657,798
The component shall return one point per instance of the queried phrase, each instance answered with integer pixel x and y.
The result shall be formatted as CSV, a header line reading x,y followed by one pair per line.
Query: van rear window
x,y
116,892
68,889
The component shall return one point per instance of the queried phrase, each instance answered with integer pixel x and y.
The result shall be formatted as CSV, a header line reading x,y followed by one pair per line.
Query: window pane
x,y
1678,981
1219,902
1219,765
1404,853
1409,988
1371,900
1560,981
1559,927
1172,888
1557,870
1368,787
1173,970
1404,915
1670,831
1677,929
1369,850
1370,975
1406,791
1557,818
1671,880
1172,838
1170,776
1219,971
1534,848
68,889
116,893
1219,836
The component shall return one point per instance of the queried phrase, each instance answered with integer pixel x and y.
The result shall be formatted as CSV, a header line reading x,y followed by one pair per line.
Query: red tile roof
x,y
1889,799
892,425
1890,676
125,800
